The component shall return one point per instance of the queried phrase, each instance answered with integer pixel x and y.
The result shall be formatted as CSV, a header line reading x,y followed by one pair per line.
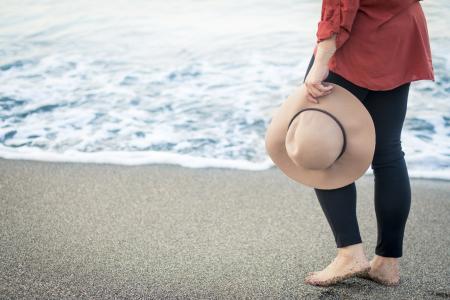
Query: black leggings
x,y
392,186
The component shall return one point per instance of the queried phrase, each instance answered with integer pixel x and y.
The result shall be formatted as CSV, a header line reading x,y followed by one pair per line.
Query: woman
x,y
375,49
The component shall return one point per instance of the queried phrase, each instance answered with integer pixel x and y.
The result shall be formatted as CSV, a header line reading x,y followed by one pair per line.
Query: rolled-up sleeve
x,y
337,17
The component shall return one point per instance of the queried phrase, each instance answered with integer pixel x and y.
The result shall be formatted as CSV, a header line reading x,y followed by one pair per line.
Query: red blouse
x,y
380,44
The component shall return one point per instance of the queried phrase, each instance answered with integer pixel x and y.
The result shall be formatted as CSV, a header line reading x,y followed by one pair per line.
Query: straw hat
x,y
326,145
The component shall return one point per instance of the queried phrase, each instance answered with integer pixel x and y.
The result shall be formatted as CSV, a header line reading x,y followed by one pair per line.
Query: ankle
x,y
381,261
352,251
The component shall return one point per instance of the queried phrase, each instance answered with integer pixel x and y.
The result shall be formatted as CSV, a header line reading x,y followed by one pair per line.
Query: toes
x,y
313,275
310,275
310,281
310,278
313,281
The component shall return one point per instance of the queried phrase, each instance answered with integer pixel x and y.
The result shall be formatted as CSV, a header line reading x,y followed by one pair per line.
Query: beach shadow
x,y
441,294
342,290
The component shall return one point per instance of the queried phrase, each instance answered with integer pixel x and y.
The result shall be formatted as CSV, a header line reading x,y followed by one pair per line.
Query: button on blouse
x,y
380,44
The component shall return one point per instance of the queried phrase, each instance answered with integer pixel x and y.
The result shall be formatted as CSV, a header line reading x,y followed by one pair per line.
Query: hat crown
x,y
314,140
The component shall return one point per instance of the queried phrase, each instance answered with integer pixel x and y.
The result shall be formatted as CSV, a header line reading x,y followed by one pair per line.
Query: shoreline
x,y
166,231
180,161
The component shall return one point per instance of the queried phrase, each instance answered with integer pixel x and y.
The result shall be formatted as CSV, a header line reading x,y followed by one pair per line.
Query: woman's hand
x,y
313,82
319,70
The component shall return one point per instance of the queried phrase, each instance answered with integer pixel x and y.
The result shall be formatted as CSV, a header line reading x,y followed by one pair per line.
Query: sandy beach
x,y
72,230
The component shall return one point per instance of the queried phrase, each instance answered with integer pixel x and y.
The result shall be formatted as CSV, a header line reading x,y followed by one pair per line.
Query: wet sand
x,y
72,230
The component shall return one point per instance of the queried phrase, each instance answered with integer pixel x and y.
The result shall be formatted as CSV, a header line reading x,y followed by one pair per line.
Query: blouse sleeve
x,y
337,17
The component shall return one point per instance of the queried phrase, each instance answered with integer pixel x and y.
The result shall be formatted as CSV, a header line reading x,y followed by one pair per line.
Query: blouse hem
x,y
385,88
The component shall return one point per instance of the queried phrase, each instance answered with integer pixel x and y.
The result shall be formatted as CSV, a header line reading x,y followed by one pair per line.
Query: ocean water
x,y
189,82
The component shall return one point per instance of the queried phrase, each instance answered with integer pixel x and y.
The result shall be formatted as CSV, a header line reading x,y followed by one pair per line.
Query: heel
x,y
365,275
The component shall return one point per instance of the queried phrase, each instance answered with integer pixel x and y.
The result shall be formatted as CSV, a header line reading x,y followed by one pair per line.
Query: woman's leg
x,y
392,186
339,205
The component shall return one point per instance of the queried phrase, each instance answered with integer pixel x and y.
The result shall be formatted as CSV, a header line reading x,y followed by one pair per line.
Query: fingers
x,y
314,91
311,98
324,88
318,89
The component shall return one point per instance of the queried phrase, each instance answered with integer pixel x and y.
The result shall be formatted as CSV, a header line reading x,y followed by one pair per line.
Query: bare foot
x,y
350,261
384,270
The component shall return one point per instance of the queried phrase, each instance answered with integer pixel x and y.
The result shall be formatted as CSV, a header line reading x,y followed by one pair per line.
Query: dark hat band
x,y
333,117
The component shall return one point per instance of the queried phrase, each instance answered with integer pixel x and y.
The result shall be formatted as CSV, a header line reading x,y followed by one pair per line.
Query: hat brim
x,y
359,129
